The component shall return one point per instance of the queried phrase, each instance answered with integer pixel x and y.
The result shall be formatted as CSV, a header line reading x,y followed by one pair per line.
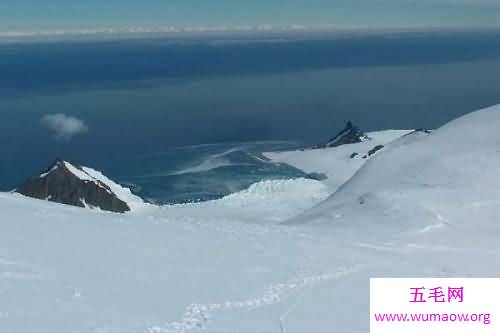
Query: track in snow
x,y
197,316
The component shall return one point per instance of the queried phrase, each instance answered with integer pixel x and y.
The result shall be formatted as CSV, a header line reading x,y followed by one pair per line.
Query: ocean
x,y
184,120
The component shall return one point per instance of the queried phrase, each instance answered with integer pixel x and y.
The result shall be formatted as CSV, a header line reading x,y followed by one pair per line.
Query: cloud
x,y
64,127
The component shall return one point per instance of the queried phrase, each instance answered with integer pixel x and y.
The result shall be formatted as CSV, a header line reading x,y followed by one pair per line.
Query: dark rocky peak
x,y
350,134
71,184
420,130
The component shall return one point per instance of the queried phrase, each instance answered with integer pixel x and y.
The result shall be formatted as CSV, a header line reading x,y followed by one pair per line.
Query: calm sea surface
x,y
185,120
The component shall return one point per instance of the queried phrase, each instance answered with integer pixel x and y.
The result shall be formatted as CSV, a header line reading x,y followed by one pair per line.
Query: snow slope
x,y
168,269
122,193
438,176
427,205
336,162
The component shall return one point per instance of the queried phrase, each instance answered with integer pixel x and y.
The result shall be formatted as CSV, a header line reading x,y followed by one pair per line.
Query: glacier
x,y
282,256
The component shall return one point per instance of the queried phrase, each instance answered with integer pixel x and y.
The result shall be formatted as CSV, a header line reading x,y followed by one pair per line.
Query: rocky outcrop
x,y
350,134
374,150
71,184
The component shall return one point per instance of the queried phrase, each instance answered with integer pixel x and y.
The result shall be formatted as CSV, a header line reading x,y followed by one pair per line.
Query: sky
x,y
62,15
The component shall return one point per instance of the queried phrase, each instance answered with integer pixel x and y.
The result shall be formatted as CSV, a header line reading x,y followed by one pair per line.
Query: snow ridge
x,y
123,193
338,163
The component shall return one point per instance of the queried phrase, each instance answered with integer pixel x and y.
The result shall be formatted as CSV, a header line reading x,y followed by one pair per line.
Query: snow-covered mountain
x,y
74,185
338,163
442,177
288,256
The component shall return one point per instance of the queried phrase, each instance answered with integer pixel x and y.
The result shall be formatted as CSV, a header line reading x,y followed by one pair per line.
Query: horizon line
x,y
195,31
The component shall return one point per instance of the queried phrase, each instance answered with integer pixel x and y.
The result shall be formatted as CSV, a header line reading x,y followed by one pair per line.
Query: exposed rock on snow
x,y
350,134
423,130
78,186
374,150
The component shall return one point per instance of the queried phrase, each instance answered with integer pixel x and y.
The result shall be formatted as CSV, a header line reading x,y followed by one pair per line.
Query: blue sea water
x,y
187,119
201,172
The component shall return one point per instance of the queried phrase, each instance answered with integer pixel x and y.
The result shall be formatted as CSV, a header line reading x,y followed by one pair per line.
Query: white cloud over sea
x,y
64,127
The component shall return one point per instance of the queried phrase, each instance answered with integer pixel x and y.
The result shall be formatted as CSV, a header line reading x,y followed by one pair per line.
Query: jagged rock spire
x,y
350,134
